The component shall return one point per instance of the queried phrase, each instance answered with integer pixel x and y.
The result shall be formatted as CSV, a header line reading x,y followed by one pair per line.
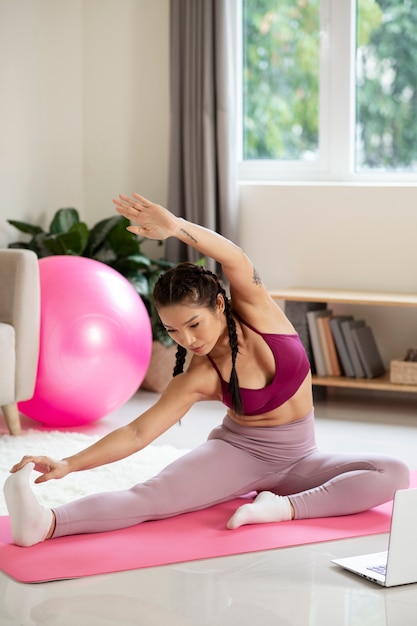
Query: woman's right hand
x,y
49,468
151,220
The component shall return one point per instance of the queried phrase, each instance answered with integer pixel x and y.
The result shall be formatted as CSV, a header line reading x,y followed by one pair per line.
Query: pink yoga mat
x,y
188,537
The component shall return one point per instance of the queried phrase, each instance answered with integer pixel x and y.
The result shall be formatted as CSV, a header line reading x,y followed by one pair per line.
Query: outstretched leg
x,y
212,473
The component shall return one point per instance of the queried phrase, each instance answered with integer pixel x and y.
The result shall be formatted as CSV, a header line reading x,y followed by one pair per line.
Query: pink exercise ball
x,y
95,342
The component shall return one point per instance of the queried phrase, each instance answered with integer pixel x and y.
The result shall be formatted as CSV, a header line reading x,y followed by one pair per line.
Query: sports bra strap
x,y
215,366
255,330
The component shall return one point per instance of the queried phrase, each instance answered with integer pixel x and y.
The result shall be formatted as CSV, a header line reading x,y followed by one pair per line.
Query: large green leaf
x,y
82,229
103,253
38,245
24,227
20,245
133,263
72,242
139,282
63,220
124,242
99,234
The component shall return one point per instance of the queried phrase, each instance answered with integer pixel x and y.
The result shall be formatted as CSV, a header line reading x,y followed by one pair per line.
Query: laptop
x,y
398,565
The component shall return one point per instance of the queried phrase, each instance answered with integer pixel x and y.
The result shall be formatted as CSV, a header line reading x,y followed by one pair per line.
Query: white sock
x,y
267,507
29,520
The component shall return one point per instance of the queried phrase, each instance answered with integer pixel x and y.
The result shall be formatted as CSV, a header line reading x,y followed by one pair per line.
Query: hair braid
x,y
180,360
234,345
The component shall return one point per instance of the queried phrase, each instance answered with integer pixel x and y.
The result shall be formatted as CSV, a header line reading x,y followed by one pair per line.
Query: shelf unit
x,y
336,296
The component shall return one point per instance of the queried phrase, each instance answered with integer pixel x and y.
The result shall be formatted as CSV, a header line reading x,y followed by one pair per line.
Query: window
x,y
328,90
281,58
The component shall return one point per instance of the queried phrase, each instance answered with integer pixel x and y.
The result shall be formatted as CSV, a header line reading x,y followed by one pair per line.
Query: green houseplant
x,y
107,241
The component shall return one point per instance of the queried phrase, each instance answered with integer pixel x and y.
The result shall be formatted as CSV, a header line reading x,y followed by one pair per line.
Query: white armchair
x,y
19,331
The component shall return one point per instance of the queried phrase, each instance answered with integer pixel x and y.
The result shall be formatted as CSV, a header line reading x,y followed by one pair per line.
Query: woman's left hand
x,y
48,467
151,220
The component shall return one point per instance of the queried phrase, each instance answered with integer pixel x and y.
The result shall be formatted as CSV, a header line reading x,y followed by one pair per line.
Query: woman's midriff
x,y
296,408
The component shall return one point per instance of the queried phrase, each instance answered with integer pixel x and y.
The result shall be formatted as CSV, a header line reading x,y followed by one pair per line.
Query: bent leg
x,y
323,485
212,473
330,485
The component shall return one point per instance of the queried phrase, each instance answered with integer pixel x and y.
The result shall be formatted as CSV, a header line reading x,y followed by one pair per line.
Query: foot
x,y
267,507
30,521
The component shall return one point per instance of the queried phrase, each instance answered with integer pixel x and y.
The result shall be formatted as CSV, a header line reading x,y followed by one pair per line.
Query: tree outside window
x,y
281,45
280,79
386,85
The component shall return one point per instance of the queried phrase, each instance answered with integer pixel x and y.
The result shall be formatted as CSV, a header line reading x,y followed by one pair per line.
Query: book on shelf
x,y
318,355
369,355
331,360
346,328
297,314
334,356
340,343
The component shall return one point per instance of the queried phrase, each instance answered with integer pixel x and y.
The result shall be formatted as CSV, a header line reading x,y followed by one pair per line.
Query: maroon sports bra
x,y
291,368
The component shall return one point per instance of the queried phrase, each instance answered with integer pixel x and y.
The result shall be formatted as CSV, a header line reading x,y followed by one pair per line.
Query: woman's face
x,y
197,329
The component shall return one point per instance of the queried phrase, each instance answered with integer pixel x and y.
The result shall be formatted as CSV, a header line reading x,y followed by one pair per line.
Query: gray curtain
x,y
202,167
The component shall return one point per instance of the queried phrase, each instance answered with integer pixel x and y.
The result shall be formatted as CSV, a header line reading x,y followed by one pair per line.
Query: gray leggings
x,y
236,460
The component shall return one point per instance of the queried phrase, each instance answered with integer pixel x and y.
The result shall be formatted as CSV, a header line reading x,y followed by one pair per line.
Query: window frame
x,y
336,114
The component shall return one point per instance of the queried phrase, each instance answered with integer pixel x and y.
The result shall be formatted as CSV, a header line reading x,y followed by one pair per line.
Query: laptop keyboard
x,y
378,569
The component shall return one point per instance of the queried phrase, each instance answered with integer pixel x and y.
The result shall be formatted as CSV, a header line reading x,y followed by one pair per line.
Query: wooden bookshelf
x,y
337,296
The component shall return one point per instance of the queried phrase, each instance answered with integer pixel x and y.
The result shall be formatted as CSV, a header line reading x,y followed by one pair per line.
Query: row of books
x,y
343,346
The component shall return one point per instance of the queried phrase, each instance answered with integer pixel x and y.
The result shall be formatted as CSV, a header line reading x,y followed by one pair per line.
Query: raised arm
x,y
155,222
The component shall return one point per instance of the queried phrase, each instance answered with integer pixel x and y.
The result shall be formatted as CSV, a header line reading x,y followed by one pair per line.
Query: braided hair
x,y
200,286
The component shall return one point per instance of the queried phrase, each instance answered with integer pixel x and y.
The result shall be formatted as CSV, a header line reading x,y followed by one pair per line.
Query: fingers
x,y
42,464
45,477
149,220
25,460
136,203
125,205
144,201
136,230
128,208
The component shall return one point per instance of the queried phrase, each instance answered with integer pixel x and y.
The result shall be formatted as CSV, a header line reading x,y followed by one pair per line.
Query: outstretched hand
x,y
150,220
49,468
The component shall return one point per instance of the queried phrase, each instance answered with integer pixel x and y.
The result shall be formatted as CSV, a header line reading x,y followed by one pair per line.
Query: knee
x,y
399,474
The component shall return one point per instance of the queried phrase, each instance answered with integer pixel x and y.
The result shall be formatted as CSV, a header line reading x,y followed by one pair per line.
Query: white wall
x,y
84,107
84,115
341,236
338,236
41,143
126,100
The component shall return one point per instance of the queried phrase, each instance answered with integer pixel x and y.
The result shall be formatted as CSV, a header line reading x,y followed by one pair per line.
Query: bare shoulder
x,y
265,315
251,300
203,378
199,382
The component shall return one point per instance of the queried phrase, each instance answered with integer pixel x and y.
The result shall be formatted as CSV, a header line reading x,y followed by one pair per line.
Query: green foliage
x,y
369,17
281,78
109,242
387,86
281,56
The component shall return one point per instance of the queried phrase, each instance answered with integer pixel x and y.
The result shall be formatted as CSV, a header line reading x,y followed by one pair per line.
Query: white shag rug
x,y
57,444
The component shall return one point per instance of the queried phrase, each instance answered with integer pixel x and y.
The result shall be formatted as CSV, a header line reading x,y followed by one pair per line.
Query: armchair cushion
x,y
19,327
7,364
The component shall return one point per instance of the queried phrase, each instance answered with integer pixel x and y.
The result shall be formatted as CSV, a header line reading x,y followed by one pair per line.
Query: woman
x,y
247,355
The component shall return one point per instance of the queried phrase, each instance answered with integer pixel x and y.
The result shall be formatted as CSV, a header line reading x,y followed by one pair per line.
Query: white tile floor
x,y
289,587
